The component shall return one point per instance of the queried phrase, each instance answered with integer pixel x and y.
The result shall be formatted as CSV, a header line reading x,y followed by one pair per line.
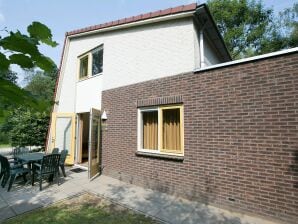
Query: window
x,y
84,67
161,130
97,56
91,63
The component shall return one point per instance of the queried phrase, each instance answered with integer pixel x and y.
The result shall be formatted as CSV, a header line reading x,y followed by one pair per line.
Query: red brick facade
x,y
241,137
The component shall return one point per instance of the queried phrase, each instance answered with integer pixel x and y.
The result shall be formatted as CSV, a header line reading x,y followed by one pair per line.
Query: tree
x,y
41,86
22,49
284,31
249,29
24,126
9,76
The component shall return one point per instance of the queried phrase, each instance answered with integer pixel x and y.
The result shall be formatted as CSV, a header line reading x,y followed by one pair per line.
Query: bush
x,y
28,128
4,138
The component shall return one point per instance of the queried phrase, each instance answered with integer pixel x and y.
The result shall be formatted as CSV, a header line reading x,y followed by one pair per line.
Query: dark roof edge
x,y
132,19
215,27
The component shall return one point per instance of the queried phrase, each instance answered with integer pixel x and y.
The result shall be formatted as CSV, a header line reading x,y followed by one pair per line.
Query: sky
x,y
66,15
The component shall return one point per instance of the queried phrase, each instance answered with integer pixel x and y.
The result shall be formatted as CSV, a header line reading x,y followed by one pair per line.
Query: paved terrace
x,y
166,208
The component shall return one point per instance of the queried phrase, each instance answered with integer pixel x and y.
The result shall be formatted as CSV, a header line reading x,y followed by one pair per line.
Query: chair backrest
x,y
55,150
5,167
50,164
20,151
63,156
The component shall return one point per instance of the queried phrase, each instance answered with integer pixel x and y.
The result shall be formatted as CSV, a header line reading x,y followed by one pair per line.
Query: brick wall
x,y
241,137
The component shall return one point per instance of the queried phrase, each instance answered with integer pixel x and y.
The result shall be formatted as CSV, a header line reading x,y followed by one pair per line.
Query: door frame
x,y
70,157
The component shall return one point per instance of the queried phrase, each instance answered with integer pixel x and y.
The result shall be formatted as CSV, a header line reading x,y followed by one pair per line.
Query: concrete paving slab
x,y
26,206
3,204
176,211
169,208
6,213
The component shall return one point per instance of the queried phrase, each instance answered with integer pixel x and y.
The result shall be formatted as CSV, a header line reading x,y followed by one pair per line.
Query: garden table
x,y
30,158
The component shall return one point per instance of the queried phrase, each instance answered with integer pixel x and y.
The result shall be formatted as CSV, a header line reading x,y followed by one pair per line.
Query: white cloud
x,y
2,18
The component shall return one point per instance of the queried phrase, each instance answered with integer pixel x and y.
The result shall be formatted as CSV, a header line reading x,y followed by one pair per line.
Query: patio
x,y
163,207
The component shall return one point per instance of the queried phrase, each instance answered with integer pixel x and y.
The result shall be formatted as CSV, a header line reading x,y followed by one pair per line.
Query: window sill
x,y
161,156
89,77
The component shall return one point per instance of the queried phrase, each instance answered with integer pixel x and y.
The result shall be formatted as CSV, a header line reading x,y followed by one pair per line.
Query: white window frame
x,y
159,150
90,61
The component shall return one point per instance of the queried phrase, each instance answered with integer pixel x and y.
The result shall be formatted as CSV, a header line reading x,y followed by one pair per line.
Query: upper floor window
x,y
84,67
97,56
91,63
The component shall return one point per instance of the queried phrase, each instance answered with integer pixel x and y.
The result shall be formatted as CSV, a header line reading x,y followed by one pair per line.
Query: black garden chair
x,y
19,151
55,150
62,161
48,168
10,172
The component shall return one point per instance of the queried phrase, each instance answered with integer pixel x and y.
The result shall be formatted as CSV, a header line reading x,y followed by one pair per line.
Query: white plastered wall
x,y
89,94
197,57
210,57
131,55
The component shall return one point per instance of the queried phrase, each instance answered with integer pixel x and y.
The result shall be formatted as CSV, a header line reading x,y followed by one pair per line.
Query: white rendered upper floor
x,y
133,50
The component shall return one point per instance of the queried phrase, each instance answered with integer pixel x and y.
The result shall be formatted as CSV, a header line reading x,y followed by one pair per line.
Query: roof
x,y
132,19
205,19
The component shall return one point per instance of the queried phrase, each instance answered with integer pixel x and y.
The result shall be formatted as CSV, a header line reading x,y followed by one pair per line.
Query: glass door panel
x,y
94,143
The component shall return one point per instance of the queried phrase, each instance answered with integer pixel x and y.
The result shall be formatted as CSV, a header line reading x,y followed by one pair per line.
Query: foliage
x,y
248,28
42,85
26,128
22,49
13,94
4,138
9,76
284,31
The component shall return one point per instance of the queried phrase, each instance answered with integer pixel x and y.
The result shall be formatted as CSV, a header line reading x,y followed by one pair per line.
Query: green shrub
x,y
27,128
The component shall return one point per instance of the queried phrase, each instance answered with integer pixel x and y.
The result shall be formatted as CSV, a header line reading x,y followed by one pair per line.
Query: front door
x,y
94,143
63,134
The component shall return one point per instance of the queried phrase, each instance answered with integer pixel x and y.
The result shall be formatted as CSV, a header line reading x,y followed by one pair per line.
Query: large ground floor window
x,y
160,130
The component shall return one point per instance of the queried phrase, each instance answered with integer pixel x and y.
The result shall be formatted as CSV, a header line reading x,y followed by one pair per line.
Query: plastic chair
x,y
62,161
9,172
49,168
55,150
19,151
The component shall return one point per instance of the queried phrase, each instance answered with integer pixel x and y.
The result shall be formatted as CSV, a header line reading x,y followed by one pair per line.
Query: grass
x,y
4,145
86,208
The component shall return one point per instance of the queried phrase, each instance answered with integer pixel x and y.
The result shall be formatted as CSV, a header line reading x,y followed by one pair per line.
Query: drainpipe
x,y
202,56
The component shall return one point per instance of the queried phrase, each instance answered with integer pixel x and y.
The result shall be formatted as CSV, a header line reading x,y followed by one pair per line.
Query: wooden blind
x,y
150,130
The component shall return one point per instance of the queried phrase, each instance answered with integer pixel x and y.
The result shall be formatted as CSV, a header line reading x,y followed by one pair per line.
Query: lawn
x,y
4,146
86,208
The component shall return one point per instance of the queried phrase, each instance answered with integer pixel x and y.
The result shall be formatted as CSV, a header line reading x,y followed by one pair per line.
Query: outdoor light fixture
x,y
104,116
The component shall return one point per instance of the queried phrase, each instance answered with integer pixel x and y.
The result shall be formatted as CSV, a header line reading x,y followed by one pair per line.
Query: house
x,y
155,100
124,52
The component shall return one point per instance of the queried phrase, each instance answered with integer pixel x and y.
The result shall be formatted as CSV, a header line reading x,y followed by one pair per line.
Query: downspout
x,y
202,55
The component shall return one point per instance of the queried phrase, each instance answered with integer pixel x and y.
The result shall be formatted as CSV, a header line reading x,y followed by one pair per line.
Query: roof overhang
x,y
200,13
147,18
204,19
